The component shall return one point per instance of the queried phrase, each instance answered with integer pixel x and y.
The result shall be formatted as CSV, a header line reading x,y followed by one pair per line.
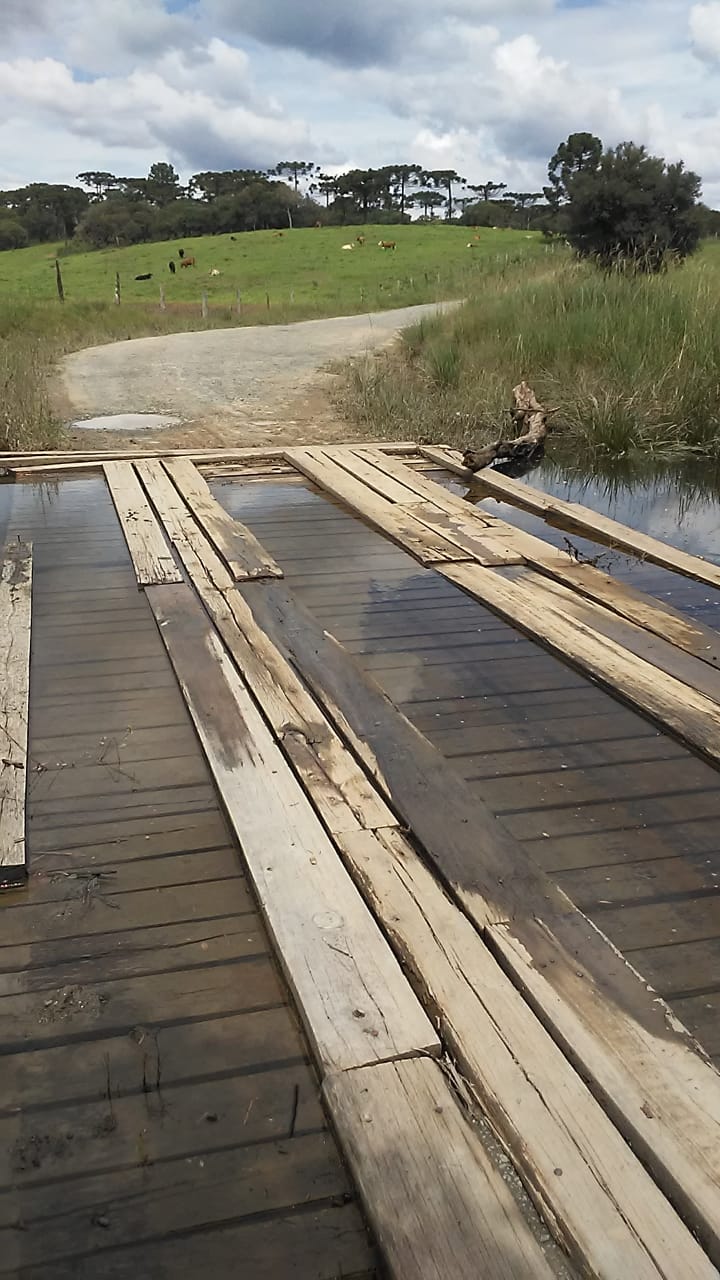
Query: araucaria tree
x,y
633,209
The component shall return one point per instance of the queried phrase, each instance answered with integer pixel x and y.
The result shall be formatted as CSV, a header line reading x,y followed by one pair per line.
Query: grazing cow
x,y
188,262
348,246
181,253
233,237
213,271
318,225
171,267
360,240
278,234
471,245
146,276
387,244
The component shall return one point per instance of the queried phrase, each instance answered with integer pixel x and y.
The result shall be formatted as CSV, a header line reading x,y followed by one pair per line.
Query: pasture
x,y
306,270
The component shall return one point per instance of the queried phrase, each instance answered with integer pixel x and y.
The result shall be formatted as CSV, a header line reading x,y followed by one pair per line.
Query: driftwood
x,y
531,418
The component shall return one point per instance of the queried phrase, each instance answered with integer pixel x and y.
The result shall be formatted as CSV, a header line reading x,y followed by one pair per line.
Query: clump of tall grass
x,y
26,417
632,361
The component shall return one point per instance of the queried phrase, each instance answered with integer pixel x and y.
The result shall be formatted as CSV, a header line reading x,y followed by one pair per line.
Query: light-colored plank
x,y
701,676
89,460
604,1207
151,556
644,610
235,544
438,1206
343,795
15,622
390,519
353,997
578,519
690,716
662,1095
441,520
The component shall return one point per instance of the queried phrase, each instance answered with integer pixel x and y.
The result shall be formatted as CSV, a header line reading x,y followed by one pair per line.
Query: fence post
x,y
59,280
267,301
204,305
162,298
239,303
117,288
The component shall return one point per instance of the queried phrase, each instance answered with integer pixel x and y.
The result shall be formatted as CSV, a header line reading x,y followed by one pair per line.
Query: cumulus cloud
x,y
356,35
705,30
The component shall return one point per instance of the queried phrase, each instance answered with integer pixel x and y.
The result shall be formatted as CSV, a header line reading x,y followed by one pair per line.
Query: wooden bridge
x,y
361,853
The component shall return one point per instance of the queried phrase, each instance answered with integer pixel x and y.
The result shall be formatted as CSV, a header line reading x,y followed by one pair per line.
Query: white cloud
x,y
705,30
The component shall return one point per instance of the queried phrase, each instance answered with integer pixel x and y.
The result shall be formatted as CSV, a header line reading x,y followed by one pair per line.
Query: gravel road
x,y
255,384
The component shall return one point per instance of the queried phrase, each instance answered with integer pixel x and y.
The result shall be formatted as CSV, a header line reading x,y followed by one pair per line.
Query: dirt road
x,y
259,385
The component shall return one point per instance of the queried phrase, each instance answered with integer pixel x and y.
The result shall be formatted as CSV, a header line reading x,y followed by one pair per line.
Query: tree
x,y
97,179
580,154
327,186
523,200
445,180
295,169
486,190
428,201
12,233
634,209
404,177
163,184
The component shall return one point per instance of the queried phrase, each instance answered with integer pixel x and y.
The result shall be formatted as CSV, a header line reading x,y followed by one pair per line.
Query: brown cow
x,y
387,244
188,262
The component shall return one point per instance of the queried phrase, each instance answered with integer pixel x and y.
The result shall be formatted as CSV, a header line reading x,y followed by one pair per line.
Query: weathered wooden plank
x,y
31,464
663,1096
339,788
390,519
436,1202
492,878
689,715
355,1002
624,599
149,552
15,623
235,544
612,1224
578,519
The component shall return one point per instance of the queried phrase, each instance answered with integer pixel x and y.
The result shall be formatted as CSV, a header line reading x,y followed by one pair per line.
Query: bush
x,y
12,234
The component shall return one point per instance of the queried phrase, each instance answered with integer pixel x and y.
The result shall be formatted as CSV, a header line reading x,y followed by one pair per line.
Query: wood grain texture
x,y
15,623
578,519
437,1204
689,715
355,1002
604,1207
234,543
150,554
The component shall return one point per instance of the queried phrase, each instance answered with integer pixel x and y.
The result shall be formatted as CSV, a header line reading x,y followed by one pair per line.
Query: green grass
x,y
303,274
632,363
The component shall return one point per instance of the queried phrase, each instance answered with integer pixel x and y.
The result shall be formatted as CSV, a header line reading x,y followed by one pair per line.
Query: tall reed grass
x,y
632,362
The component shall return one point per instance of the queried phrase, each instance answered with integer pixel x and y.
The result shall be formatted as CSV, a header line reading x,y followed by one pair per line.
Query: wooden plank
x,y
492,878
578,519
622,598
235,544
468,846
339,788
355,1002
15,623
391,520
149,552
437,1204
690,716
29,465
539,1107
662,1095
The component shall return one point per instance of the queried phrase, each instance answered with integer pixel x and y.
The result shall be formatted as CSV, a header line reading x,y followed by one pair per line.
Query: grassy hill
x,y
307,269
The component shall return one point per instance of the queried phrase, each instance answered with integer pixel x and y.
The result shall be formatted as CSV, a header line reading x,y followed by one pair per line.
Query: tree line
x,y
109,210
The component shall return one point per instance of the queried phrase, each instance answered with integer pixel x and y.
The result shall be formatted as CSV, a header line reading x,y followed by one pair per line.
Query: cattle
x,y
171,267
213,271
188,262
233,237
348,246
387,244
360,240
278,234
181,253
146,276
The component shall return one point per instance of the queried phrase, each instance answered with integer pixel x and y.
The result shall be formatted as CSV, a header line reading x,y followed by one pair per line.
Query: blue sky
x,y
489,87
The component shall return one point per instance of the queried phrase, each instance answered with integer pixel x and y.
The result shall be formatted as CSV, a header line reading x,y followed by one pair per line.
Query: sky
x,y
486,87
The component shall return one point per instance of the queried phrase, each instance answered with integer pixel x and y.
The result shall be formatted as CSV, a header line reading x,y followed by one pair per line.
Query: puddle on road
x,y
127,422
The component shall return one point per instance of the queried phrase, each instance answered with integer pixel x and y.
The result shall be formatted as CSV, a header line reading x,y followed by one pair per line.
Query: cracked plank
x,y
355,1001
236,545
15,620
